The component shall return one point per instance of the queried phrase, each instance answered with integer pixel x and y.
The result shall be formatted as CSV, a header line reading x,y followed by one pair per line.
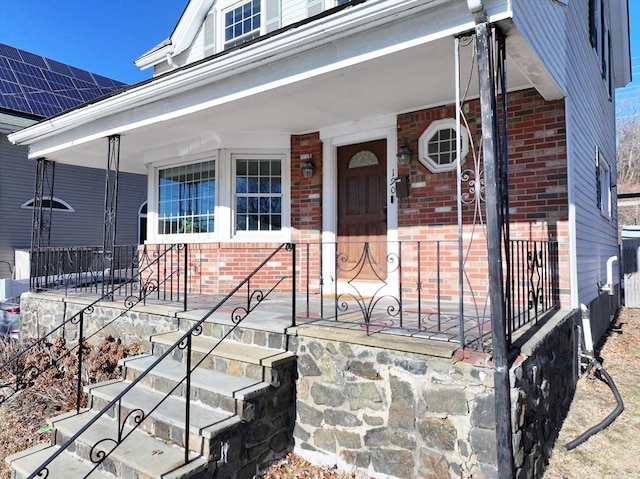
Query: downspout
x,y
169,57
502,386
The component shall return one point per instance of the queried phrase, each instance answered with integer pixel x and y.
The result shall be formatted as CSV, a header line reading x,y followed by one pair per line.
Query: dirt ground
x,y
615,451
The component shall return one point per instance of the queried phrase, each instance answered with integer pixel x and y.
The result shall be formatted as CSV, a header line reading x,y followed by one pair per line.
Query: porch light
x,y
404,154
307,166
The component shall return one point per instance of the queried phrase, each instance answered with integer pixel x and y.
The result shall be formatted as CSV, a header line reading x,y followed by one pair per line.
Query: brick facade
x,y
428,218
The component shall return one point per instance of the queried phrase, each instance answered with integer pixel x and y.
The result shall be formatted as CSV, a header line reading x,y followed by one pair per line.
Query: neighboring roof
x,y
629,232
34,85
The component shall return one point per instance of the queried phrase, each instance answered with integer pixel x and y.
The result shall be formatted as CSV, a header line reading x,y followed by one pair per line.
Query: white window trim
x,y
28,205
223,8
423,142
284,234
153,213
224,213
604,177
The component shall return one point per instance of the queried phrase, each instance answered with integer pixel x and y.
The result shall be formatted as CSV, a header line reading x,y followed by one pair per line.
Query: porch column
x,y
41,221
497,221
110,208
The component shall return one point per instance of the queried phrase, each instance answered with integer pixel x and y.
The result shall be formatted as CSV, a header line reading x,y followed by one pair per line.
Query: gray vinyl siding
x,y
81,188
560,35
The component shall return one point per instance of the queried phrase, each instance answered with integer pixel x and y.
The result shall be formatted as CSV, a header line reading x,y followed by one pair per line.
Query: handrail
x,y
78,318
184,343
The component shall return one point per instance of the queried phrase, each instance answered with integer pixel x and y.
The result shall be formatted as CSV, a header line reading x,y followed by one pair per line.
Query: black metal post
x,y
494,250
110,208
41,221
187,397
80,341
186,276
293,285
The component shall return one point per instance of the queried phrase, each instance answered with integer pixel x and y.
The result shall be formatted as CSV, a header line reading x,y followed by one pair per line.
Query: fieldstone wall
x,y
40,313
385,413
382,412
543,380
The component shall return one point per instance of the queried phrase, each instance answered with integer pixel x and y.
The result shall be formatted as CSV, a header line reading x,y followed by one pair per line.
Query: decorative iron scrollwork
x,y
472,183
368,304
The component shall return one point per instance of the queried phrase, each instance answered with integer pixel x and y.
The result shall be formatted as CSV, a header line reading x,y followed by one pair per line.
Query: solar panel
x,y
36,85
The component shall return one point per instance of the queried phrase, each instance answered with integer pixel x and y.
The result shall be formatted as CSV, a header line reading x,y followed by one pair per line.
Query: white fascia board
x,y
288,43
182,36
155,56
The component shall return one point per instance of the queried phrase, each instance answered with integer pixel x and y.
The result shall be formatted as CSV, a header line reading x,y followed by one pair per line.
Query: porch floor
x,y
422,321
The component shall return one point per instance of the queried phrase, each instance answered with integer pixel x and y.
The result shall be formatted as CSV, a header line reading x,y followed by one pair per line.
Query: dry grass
x,y
51,391
615,451
294,467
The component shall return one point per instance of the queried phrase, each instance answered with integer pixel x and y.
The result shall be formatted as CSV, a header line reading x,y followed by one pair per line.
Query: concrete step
x,y
228,356
214,388
165,416
24,463
139,455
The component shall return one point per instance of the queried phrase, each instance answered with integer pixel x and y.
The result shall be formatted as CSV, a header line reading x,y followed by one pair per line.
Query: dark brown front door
x,y
362,218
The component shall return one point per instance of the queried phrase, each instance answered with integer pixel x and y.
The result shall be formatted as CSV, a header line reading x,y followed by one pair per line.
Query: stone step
x,y
139,455
165,416
24,463
213,388
266,329
228,356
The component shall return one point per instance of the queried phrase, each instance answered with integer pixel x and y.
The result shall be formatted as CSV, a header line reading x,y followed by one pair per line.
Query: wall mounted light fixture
x,y
404,153
307,165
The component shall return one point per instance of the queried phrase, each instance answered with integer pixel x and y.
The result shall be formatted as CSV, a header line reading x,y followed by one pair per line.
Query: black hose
x,y
607,420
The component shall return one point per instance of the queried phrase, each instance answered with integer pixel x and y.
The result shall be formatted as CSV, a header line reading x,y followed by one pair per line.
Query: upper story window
x,y
242,23
603,185
600,38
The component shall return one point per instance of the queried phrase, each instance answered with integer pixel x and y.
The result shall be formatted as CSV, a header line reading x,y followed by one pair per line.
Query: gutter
x,y
291,40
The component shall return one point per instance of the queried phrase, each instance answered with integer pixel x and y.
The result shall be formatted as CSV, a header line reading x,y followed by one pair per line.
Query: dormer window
x,y
242,23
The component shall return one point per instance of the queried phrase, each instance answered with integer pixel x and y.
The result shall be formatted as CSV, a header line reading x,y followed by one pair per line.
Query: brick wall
x,y
428,218
538,203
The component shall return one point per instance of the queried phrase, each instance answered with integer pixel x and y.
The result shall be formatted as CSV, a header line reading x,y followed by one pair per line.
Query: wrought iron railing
x,y
103,448
423,287
87,269
134,290
533,287
417,287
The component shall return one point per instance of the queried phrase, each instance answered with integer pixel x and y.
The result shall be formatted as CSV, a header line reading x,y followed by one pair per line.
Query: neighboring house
x,y
33,88
333,125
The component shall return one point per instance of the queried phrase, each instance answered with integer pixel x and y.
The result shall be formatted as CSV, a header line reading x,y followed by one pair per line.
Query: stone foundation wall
x,y
386,413
543,382
381,411
42,313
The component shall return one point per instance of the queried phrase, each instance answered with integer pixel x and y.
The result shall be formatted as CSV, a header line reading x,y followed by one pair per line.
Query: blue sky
x,y
106,36
102,36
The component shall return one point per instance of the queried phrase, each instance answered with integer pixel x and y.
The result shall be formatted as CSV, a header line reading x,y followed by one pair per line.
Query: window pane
x,y
258,195
186,199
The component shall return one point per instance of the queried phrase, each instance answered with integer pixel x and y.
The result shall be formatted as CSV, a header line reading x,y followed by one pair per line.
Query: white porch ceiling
x,y
224,112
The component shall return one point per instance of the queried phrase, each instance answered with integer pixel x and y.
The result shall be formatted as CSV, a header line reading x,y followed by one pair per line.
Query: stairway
x,y
240,414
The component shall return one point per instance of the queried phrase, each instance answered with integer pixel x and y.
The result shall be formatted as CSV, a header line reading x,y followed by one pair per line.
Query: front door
x,y
362,215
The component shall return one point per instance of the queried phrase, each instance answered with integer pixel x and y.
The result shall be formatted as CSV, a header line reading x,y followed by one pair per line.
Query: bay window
x,y
187,198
